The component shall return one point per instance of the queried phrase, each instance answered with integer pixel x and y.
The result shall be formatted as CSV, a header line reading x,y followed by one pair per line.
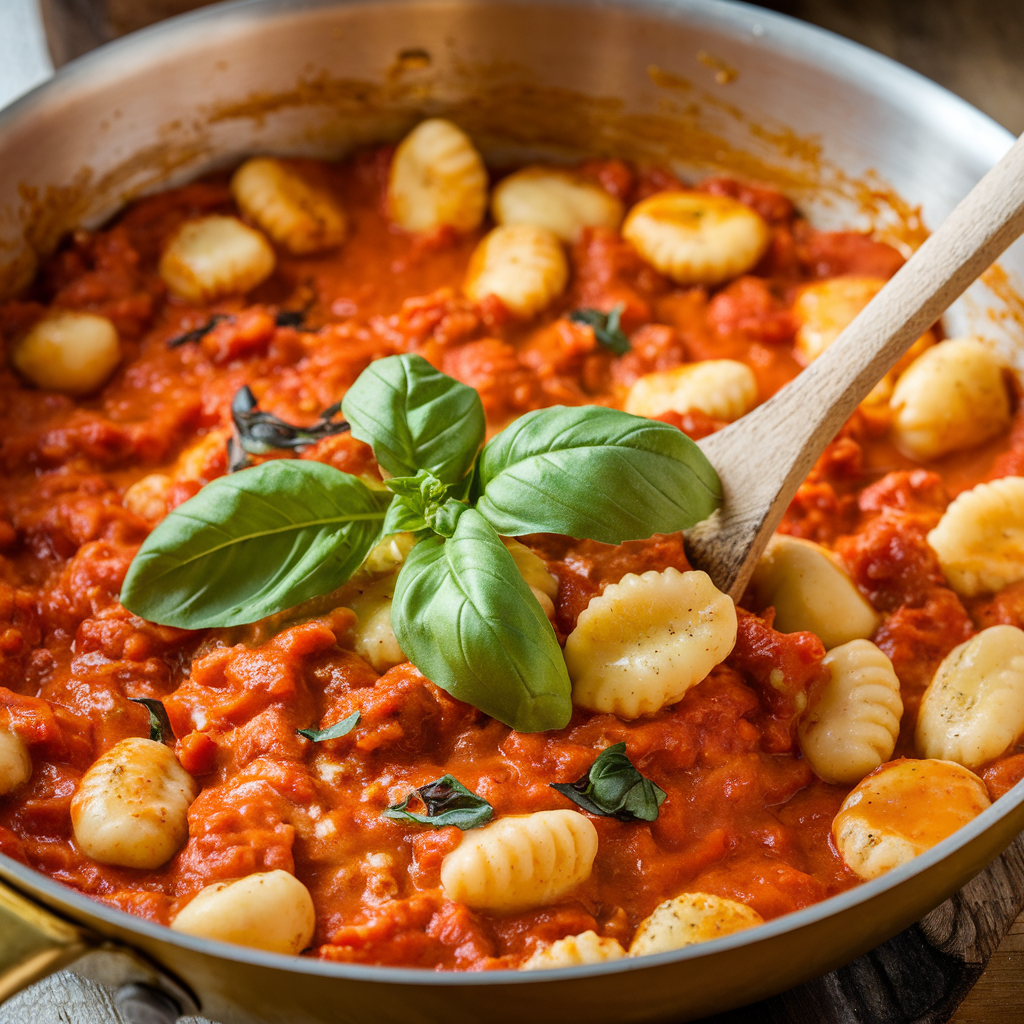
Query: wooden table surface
x,y
976,49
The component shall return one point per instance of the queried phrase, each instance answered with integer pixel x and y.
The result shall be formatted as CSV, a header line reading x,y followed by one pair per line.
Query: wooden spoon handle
x,y
763,458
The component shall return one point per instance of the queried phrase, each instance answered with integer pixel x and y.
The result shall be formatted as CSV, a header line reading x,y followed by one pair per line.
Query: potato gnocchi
x,y
15,761
374,638
131,806
71,352
850,728
521,861
297,215
522,265
980,537
903,809
696,238
574,951
215,256
270,910
951,397
973,709
437,179
809,591
640,645
562,202
722,388
691,918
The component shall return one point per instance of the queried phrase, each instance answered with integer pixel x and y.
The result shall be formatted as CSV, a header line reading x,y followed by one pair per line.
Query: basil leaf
x,y
254,543
605,326
199,333
596,473
332,732
613,788
416,417
404,516
159,723
467,620
261,432
448,802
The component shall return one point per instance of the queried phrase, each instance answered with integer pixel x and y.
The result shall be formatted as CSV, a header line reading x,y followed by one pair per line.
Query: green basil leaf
x,y
605,326
254,543
613,788
448,802
416,417
159,723
596,473
467,620
404,516
332,732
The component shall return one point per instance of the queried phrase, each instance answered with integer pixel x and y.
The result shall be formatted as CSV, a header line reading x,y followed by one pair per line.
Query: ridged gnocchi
x,y
951,397
215,256
641,644
74,353
903,809
522,265
980,537
299,216
725,389
15,761
691,918
809,591
131,806
973,709
271,910
521,861
851,726
560,201
437,178
531,567
696,238
375,640
574,951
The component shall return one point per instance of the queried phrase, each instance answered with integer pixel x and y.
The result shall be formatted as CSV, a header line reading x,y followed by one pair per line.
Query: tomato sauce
x,y
744,818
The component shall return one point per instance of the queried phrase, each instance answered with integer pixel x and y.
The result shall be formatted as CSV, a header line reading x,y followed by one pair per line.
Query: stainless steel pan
x,y
703,84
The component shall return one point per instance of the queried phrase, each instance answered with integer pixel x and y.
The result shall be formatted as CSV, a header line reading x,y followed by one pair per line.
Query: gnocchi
x,y
851,727
131,806
722,388
980,537
809,591
973,709
695,238
271,910
535,573
560,201
691,918
574,951
521,861
74,353
640,645
215,256
522,265
15,762
375,639
903,809
296,214
951,397
437,178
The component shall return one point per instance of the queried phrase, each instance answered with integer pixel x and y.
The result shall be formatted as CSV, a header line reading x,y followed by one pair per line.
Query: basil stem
x,y
605,326
447,802
332,732
159,723
613,788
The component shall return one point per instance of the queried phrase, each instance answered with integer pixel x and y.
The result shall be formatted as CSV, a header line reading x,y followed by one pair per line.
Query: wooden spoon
x,y
763,458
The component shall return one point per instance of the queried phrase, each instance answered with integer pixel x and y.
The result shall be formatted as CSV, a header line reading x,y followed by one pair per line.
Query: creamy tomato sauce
x,y
745,817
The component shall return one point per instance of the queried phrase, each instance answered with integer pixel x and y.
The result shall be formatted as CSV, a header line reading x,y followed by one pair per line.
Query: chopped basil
x,y
254,543
159,723
447,802
199,333
606,327
332,732
290,318
613,788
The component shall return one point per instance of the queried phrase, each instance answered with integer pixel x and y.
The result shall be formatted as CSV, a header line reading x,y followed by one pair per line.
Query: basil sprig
x,y
159,723
332,732
613,788
447,802
605,326
267,538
